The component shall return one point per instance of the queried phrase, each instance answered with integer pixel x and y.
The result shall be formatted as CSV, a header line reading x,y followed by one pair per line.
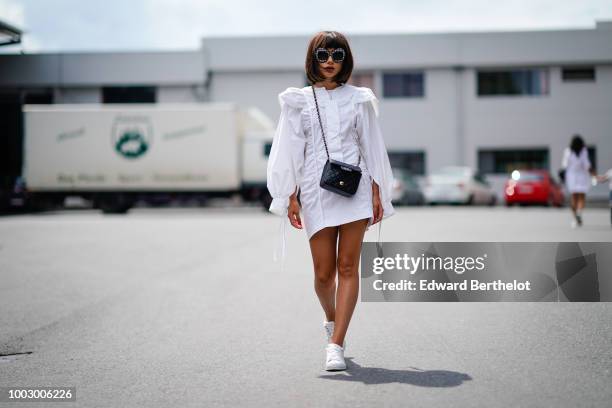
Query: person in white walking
x,y
335,224
578,172
607,176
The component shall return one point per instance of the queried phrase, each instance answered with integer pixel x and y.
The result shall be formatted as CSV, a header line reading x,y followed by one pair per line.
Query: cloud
x,y
12,12
71,25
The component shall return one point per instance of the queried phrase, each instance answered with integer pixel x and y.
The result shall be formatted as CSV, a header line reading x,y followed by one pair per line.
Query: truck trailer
x,y
117,154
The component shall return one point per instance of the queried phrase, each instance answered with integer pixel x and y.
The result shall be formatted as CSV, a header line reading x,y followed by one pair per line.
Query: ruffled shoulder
x,y
365,94
293,97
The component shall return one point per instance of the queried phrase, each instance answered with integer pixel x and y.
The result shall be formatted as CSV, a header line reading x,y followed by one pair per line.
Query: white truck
x,y
117,154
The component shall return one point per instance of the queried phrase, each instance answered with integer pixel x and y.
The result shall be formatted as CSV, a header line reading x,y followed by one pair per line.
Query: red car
x,y
533,187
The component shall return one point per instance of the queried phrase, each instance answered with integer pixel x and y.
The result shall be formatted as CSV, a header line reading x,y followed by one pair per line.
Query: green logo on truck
x,y
132,136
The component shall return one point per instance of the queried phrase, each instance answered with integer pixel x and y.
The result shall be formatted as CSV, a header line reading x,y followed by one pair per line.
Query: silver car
x,y
460,185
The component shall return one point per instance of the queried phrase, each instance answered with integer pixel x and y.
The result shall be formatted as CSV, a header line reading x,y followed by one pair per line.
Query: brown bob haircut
x,y
328,39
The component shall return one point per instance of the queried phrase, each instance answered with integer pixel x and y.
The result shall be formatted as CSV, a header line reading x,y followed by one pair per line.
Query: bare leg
x,y
323,249
573,200
580,201
349,251
579,207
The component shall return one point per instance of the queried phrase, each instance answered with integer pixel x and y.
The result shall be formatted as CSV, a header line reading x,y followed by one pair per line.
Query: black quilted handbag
x,y
338,177
562,175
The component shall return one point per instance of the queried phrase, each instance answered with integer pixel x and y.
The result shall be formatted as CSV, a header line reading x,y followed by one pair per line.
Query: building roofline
x,y
599,25
12,33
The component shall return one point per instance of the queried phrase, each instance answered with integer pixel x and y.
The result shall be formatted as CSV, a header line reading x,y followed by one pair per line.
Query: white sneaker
x,y
335,358
329,331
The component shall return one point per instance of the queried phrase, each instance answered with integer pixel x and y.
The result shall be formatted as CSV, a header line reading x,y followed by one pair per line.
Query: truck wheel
x,y
115,209
42,202
114,204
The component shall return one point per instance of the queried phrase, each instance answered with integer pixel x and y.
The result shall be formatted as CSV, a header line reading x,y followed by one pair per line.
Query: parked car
x,y
406,190
533,187
458,184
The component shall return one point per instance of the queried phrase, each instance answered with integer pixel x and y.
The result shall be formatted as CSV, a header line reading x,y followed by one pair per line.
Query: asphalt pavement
x,y
184,307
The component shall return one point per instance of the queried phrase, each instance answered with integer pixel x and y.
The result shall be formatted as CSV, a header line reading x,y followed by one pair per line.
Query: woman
x,y
335,224
578,173
607,176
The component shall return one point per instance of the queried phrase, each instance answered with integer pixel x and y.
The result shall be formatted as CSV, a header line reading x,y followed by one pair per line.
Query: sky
x,y
134,25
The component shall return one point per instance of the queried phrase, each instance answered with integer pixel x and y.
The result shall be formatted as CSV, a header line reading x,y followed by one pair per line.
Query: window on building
x,y
504,161
571,74
403,85
362,79
129,94
512,82
43,96
414,161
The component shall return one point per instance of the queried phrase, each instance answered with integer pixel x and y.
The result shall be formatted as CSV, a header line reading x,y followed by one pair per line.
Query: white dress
x,y
297,157
577,177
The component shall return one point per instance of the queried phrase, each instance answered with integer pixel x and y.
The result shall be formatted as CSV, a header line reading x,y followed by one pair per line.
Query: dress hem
x,y
338,223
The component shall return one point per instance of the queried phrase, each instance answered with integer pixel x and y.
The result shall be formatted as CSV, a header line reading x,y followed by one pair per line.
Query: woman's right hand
x,y
376,204
293,212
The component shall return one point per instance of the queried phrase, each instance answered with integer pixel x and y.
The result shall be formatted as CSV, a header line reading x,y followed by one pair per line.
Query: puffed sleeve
x,y
286,160
374,149
565,160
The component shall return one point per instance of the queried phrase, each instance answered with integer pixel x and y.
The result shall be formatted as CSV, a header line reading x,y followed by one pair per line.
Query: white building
x,y
491,100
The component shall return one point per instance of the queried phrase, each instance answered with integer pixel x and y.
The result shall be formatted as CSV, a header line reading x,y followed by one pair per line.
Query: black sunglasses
x,y
322,55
